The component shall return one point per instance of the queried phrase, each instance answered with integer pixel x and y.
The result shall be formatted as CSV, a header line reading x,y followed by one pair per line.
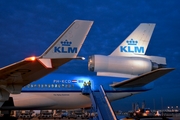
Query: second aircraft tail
x,y
136,43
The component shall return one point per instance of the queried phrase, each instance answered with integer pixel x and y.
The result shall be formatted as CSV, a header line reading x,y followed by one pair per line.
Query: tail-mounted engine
x,y
124,64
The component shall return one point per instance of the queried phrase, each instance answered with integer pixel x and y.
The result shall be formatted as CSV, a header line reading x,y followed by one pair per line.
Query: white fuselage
x,y
59,100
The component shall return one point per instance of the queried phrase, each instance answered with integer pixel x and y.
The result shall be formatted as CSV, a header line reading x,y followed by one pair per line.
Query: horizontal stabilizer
x,y
143,79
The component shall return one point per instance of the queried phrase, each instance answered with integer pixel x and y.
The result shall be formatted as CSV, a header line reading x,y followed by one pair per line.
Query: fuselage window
x,y
58,85
49,85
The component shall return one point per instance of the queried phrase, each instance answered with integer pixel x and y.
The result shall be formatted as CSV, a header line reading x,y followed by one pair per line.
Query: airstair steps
x,y
101,105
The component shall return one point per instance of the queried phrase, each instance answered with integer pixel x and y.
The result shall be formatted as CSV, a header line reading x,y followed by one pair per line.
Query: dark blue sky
x,y
29,27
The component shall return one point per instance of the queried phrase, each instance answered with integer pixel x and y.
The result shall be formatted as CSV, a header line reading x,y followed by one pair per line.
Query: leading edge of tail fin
x,y
136,43
69,43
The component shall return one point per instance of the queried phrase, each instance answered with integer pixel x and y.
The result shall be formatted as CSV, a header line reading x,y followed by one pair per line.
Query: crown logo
x,y
132,42
66,43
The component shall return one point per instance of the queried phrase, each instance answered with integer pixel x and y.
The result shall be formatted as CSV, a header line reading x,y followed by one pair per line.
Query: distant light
x,y
80,58
83,58
33,58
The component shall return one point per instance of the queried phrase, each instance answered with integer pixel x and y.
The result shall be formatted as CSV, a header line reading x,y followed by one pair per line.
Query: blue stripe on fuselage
x,y
55,82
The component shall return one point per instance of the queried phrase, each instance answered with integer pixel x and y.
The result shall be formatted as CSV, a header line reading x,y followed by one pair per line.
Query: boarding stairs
x,y
101,104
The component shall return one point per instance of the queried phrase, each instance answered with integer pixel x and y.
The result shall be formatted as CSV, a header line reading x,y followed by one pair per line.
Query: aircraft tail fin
x,y
136,43
69,43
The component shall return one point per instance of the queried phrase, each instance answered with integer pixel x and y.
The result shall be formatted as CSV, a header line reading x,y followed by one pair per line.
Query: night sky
x,y
28,27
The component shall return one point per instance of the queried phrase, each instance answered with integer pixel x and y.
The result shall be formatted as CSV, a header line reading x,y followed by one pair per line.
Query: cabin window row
x,y
49,86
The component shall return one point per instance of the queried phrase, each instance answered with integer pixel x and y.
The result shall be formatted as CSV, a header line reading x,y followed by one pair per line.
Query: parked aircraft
x,y
125,72
65,48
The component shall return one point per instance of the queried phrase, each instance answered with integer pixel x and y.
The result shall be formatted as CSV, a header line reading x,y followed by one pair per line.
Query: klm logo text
x,y
132,47
66,48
